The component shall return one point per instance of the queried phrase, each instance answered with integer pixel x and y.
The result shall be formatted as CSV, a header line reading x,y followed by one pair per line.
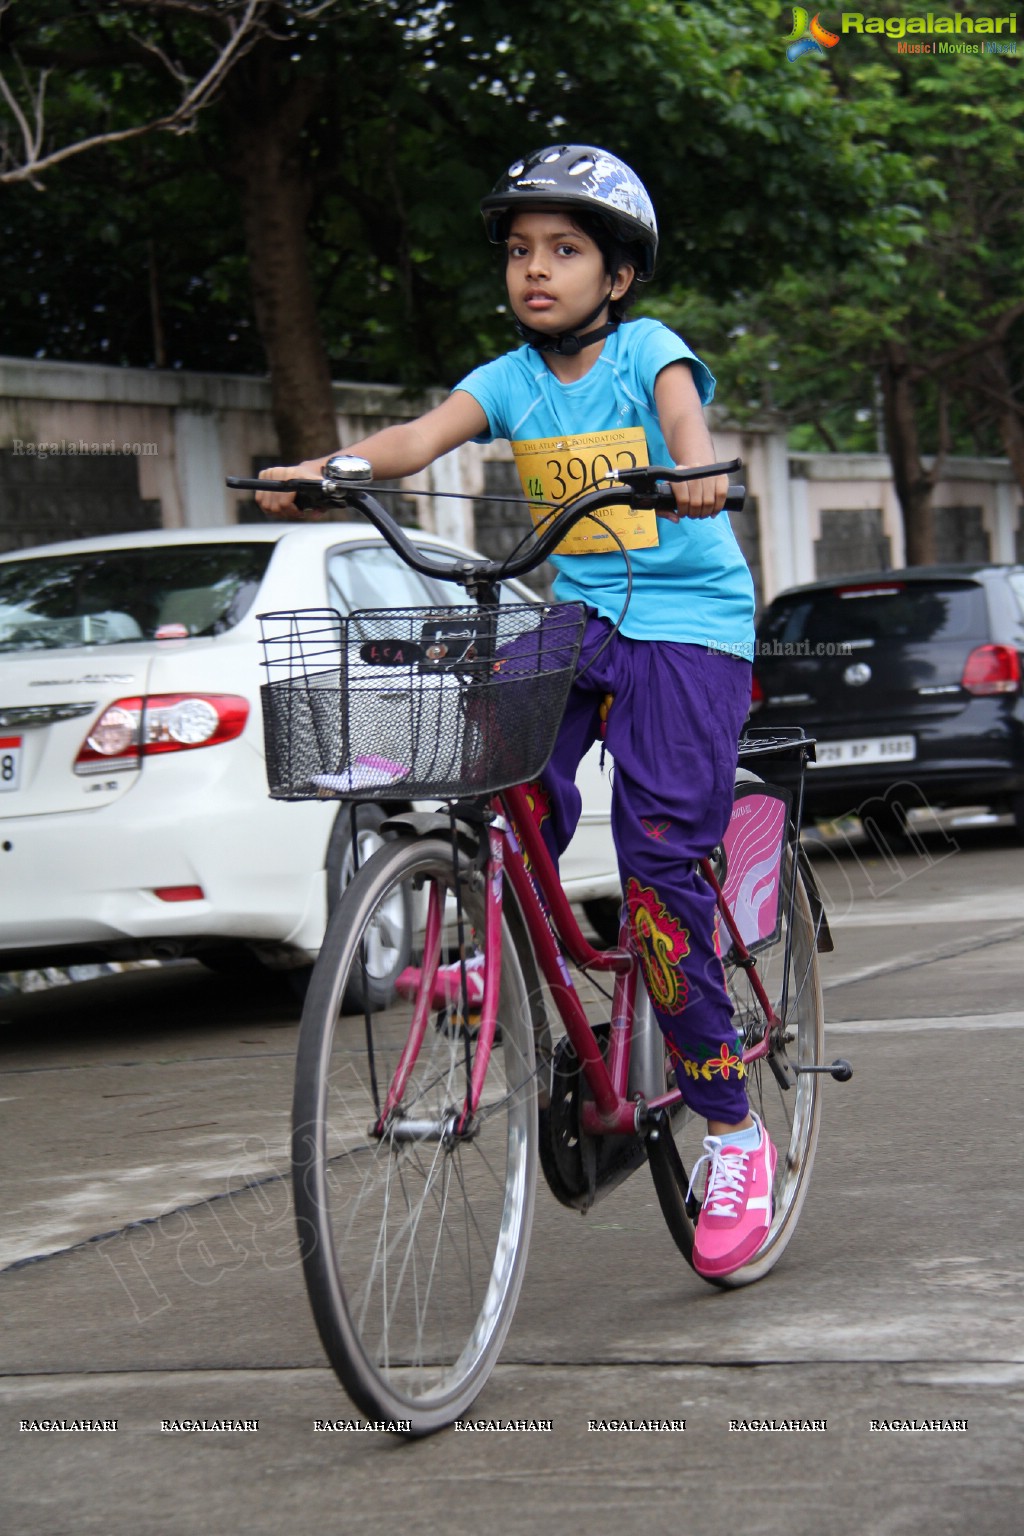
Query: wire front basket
x,y
414,703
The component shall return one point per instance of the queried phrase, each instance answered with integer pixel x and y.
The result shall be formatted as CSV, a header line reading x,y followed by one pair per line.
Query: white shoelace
x,y
726,1177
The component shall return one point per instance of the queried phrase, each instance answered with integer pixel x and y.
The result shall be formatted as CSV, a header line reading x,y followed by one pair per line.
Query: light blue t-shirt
x,y
694,587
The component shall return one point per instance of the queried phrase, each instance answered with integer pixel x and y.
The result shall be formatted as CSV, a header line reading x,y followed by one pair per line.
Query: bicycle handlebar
x,y
644,488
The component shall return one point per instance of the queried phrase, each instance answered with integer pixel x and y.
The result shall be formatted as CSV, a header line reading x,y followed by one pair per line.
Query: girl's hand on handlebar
x,y
280,505
697,498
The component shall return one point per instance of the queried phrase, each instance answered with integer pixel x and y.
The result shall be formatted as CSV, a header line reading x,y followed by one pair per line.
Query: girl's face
x,y
555,274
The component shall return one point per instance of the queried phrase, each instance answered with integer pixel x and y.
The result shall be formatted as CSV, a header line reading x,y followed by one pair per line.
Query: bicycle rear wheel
x,y
791,1115
413,1239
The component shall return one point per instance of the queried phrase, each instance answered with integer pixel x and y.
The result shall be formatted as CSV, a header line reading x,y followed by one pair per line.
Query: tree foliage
x,y
112,231
125,70
841,235
914,338
416,110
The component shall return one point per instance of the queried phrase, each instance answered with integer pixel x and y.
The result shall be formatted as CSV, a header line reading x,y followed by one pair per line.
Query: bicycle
x,y
429,1086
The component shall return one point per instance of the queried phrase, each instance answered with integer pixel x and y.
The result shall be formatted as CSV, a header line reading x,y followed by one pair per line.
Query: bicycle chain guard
x,y
580,1169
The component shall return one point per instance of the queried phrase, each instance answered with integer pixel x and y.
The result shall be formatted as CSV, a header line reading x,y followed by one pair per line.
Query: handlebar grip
x,y
240,483
735,496
308,493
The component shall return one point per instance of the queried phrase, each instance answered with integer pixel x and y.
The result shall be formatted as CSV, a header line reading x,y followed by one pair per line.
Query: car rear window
x,y
878,613
110,597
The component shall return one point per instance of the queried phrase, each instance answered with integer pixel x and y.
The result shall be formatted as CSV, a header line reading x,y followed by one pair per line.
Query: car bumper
x,y
923,781
90,878
910,791
974,755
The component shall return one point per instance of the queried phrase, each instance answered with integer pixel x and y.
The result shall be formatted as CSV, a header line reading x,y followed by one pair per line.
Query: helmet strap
x,y
570,343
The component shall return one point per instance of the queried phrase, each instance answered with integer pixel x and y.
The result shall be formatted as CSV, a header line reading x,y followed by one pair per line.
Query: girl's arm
x,y
681,417
394,452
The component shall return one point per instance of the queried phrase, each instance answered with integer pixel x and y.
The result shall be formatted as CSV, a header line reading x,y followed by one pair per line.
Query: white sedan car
x,y
135,820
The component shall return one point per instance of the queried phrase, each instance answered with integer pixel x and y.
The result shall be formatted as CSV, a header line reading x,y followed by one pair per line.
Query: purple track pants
x,y
675,716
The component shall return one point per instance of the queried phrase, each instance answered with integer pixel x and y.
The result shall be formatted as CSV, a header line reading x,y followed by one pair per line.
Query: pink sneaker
x,y
447,983
737,1209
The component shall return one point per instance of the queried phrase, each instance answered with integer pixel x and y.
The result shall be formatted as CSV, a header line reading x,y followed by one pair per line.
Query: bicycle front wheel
x,y
791,1114
413,1235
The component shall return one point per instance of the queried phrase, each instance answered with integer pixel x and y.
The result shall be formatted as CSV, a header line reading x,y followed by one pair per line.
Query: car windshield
x,y
879,613
113,596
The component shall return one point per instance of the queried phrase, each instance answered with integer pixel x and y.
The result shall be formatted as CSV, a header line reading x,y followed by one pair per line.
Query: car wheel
x,y
603,916
392,941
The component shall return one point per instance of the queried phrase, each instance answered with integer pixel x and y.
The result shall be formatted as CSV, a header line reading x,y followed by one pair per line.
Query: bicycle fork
x,y
457,1123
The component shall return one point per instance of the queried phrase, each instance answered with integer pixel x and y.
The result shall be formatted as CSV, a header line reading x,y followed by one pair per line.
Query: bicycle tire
x,y
791,1116
413,1250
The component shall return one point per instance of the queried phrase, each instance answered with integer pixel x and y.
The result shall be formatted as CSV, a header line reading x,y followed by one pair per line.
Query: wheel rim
x,y
420,1243
367,843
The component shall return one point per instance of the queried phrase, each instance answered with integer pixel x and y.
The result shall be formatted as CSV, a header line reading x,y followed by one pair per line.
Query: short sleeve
x,y
658,346
486,385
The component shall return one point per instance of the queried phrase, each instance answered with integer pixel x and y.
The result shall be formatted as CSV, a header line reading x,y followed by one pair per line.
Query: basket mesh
x,y
414,703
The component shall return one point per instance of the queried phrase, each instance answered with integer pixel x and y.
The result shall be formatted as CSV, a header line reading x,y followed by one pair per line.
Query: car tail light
x,y
132,729
756,694
992,669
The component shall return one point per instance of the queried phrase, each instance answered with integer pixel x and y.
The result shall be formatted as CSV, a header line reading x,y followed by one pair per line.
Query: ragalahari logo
x,y
926,34
808,37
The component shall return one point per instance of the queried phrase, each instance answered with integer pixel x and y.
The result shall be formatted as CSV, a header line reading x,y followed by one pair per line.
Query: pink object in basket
x,y
754,843
370,772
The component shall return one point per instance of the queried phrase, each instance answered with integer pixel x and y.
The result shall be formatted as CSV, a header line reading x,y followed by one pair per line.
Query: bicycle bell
x,y
347,469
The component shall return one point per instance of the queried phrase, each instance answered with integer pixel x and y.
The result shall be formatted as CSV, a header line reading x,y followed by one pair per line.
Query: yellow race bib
x,y
553,469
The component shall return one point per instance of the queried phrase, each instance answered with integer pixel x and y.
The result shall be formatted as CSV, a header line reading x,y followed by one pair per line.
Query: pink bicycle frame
x,y
611,1110
516,848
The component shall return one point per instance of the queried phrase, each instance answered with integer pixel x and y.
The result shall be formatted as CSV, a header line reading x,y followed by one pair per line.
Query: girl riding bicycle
x,y
665,680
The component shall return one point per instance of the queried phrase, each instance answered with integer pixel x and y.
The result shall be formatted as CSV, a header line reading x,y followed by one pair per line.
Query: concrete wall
x,y
978,507
186,431
182,433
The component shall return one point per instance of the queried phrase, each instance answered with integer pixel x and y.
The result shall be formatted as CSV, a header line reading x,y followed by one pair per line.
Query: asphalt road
x,y
148,1273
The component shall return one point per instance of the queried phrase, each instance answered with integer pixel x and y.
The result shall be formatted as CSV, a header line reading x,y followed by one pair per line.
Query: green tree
x,y
397,120
123,70
341,162
914,336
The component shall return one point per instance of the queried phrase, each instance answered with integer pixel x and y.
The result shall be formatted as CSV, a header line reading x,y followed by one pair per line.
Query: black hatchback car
x,y
911,682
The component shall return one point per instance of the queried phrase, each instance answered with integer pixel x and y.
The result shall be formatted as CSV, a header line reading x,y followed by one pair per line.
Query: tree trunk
x,y
264,120
914,483
156,323
993,378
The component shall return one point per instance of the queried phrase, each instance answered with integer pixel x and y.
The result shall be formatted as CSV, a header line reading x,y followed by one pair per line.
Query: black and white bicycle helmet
x,y
578,176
